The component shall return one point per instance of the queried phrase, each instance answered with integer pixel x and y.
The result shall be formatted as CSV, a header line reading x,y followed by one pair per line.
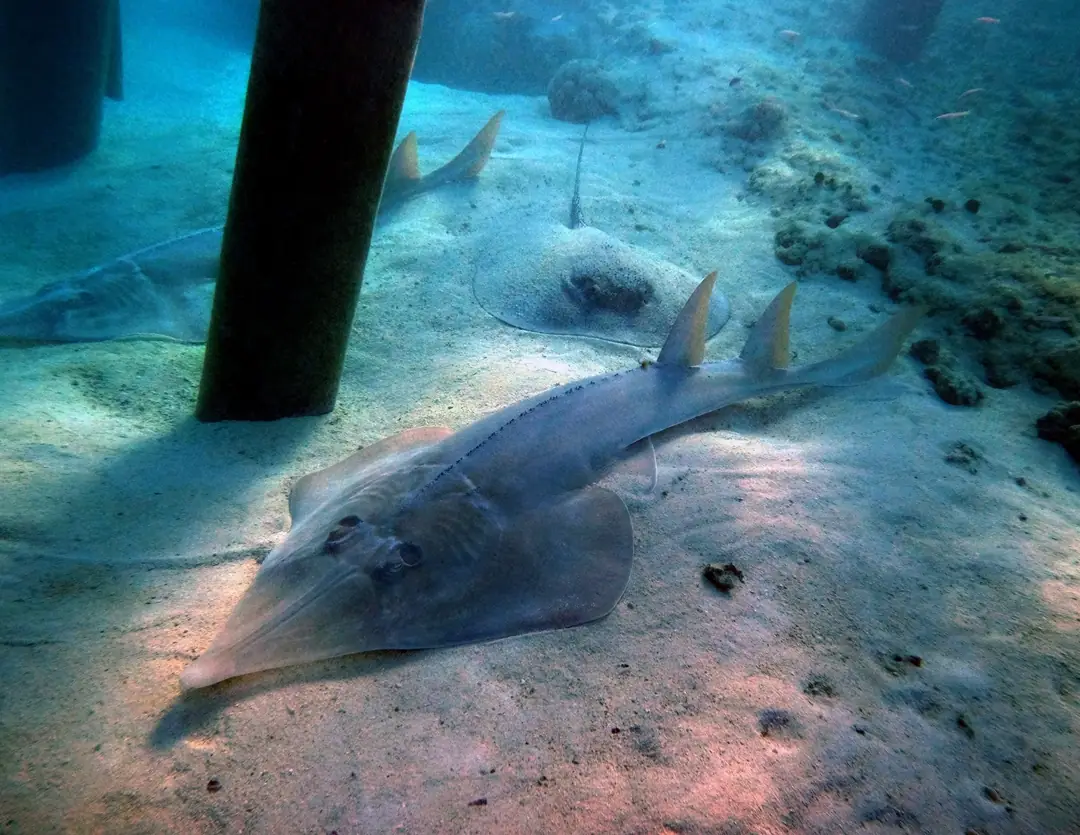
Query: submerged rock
x,y
581,91
761,122
1061,425
954,387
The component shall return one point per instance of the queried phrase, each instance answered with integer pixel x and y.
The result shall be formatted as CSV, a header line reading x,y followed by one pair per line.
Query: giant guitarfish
x,y
433,538
165,291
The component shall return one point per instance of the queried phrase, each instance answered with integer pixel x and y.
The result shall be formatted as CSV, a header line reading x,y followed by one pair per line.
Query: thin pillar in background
x,y
58,58
898,29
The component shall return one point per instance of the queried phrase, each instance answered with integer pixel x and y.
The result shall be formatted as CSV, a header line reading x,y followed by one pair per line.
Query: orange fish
x,y
956,114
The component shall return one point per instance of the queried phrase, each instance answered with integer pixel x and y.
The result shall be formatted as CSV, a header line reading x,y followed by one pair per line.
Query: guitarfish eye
x,y
411,555
341,532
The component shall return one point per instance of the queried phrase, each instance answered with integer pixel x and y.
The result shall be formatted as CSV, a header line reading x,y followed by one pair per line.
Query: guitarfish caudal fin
x,y
767,349
403,178
867,358
474,156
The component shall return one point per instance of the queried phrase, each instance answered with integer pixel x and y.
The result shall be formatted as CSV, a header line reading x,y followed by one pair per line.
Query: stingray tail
x,y
767,349
577,219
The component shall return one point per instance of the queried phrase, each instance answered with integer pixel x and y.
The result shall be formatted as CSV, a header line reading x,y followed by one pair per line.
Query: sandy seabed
x,y
903,654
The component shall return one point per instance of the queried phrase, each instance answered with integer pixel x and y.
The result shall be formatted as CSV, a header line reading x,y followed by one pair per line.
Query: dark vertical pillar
x,y
327,84
114,69
54,64
898,29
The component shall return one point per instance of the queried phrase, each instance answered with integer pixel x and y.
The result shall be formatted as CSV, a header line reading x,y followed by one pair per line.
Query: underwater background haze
x,y
848,610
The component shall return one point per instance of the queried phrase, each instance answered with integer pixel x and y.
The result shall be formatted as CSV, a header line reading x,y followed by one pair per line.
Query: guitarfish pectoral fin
x,y
455,570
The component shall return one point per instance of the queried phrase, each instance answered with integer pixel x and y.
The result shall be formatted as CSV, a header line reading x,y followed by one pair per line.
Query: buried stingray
x,y
166,291
547,277
433,538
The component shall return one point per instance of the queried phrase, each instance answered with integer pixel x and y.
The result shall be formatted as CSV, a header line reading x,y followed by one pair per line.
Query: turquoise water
x,y
896,648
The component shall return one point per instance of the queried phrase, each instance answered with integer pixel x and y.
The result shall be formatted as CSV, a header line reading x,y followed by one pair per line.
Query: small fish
x,y
987,20
557,18
839,111
973,91
789,35
903,82
956,114
847,114
735,82
504,15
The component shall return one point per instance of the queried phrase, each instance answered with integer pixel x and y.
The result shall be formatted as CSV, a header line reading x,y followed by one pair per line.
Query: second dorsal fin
x,y
767,346
404,165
